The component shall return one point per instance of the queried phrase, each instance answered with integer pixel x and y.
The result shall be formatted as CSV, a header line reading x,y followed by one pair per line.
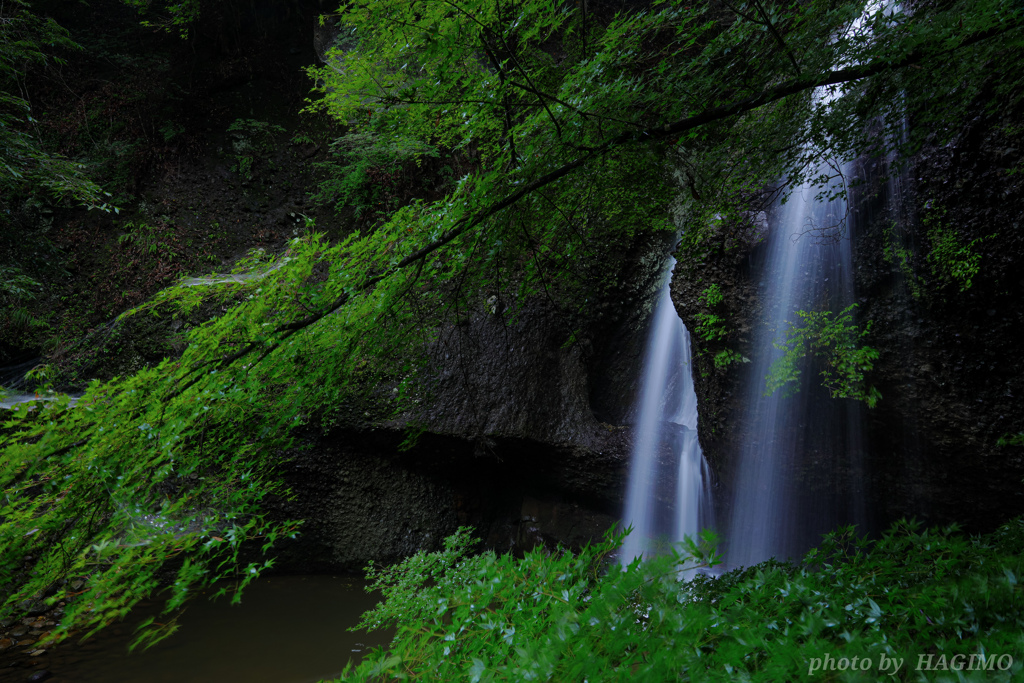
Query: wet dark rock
x,y
364,499
516,441
34,608
40,675
935,439
730,260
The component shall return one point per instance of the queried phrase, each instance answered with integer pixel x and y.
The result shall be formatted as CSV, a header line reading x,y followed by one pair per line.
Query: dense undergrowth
x,y
914,605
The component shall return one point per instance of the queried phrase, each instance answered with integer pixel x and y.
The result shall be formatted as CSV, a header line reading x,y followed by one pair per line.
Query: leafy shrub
x,y
148,239
561,617
365,169
710,326
175,460
727,357
712,295
953,260
835,340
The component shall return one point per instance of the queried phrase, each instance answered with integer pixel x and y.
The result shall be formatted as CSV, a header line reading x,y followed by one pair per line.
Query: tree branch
x,y
767,23
671,129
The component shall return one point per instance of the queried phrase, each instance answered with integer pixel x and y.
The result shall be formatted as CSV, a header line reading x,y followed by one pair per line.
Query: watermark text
x,y
891,665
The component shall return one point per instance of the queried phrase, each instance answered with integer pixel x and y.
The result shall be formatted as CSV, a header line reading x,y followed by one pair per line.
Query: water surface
x,y
288,629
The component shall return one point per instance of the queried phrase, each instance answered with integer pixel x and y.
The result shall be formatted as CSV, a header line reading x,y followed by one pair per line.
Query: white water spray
x,y
661,509
799,469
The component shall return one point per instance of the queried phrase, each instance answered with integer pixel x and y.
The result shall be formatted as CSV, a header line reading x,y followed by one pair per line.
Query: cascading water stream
x,y
15,383
799,470
663,509
16,386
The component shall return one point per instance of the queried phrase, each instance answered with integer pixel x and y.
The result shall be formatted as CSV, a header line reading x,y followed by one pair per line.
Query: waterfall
x,y
16,386
663,509
800,472
799,469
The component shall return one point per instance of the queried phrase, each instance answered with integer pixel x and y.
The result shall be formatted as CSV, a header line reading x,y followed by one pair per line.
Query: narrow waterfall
x,y
799,471
662,508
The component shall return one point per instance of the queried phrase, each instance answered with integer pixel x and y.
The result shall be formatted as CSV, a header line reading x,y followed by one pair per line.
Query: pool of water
x,y
288,629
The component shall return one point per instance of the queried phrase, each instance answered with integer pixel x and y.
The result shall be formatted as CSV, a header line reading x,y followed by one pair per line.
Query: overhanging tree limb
x,y
671,129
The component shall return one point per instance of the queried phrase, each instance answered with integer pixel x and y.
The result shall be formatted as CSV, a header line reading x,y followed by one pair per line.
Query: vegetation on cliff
x,y
568,127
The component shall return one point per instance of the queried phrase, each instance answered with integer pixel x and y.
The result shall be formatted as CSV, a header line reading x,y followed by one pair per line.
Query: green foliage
x,y
902,257
365,169
710,326
170,130
727,357
459,615
953,260
1011,440
16,289
834,340
712,295
174,461
26,166
32,173
15,285
149,239
253,141
564,617
572,128
171,462
172,16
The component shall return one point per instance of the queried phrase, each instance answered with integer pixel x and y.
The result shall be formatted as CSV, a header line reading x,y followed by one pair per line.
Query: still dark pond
x,y
288,629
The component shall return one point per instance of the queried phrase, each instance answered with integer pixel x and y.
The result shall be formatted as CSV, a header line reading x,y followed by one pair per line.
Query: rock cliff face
x,y
950,368
732,261
520,434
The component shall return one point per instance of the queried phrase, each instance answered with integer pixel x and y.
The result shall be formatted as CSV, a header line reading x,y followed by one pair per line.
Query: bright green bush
x,y
835,340
566,617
